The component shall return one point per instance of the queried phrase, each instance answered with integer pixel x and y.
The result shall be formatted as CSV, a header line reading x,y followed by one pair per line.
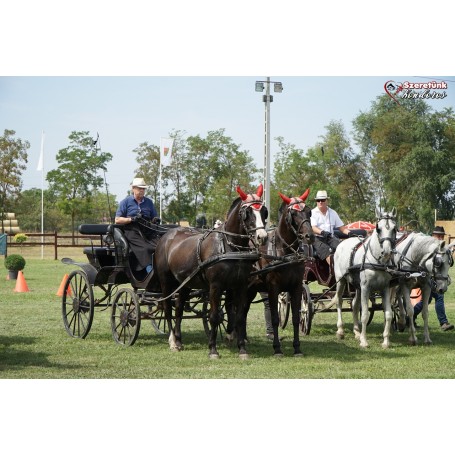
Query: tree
x,y
148,158
76,178
411,155
13,159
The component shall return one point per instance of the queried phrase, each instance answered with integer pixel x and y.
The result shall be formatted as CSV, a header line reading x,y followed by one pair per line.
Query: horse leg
x,y
364,295
214,317
426,292
355,315
387,317
273,300
338,299
405,296
168,316
241,316
179,306
296,299
230,313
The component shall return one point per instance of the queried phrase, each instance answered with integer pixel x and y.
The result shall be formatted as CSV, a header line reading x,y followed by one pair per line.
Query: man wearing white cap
x,y
324,221
132,209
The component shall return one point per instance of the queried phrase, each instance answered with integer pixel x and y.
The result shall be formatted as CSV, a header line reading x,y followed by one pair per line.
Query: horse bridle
x,y
393,240
288,219
243,215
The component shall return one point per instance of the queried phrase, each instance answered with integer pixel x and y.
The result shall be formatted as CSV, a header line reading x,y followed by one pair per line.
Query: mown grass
x,y
34,344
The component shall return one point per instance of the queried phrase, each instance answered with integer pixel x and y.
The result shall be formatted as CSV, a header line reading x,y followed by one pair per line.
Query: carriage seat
x,y
115,236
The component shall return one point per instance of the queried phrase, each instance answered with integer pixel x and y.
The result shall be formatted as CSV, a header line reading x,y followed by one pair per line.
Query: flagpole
x,y
159,184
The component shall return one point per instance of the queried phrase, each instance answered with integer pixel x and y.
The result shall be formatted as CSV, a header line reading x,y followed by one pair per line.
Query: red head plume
x,y
285,198
305,195
243,196
260,190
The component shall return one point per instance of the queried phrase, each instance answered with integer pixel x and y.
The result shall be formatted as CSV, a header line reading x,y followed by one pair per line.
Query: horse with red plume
x,y
283,250
219,260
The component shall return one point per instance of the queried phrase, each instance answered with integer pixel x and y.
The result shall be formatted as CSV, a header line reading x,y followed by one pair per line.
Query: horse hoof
x,y
214,356
298,354
401,327
278,354
428,343
244,356
385,346
412,343
340,336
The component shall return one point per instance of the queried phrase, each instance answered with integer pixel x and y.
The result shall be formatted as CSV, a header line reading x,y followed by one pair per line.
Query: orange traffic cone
x,y
21,284
62,287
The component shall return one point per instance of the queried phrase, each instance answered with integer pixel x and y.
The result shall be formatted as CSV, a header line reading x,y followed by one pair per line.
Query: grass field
x,y
34,344
179,412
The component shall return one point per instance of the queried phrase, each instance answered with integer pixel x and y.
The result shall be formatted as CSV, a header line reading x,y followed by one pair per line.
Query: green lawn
x,y
34,344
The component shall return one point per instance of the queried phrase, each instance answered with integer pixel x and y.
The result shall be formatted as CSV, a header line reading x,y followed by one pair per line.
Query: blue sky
x,y
126,111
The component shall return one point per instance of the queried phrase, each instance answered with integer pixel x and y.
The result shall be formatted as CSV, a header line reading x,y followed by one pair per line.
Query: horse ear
x,y
285,198
243,196
260,190
305,195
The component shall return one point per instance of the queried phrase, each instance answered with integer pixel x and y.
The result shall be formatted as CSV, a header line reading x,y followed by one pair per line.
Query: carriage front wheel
x,y
77,304
125,317
306,310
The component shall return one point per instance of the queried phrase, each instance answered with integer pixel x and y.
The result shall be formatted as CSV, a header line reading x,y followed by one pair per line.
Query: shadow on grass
x,y
13,358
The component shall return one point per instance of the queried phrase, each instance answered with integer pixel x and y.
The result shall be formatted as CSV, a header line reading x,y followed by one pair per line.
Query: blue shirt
x,y
130,207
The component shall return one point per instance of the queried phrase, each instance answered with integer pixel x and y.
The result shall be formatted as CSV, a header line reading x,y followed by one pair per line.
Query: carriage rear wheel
x,y
284,306
125,317
158,318
222,328
77,304
306,310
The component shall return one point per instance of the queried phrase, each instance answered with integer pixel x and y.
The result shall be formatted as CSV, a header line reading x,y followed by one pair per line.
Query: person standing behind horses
x,y
141,240
324,221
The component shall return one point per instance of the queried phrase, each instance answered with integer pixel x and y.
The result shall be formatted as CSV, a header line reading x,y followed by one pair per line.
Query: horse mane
x,y
425,246
234,204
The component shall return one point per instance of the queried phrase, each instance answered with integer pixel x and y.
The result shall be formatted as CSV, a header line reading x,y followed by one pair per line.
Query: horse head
x,y
297,217
253,214
386,231
438,265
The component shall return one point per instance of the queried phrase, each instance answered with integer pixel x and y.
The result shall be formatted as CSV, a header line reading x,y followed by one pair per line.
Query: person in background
x,y
324,221
142,240
439,234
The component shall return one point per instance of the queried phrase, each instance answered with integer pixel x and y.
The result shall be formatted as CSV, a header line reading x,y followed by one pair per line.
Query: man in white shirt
x,y
324,221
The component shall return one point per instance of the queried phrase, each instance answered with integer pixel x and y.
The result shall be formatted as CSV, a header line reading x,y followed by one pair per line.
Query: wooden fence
x,y
56,240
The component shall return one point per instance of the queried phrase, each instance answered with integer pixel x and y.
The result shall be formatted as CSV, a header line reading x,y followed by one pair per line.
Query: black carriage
x,y
320,272
108,269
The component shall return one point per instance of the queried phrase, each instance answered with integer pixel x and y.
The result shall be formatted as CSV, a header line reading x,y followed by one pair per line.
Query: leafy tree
x,y
411,155
13,159
76,178
148,158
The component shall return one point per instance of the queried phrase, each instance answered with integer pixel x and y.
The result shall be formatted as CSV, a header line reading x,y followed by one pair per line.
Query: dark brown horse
x,y
283,257
218,260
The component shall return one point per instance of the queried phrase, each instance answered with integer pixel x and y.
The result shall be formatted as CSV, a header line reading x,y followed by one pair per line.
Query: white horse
x,y
427,262
365,265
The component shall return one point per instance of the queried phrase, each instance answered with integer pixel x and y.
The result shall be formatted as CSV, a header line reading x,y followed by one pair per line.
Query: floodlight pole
x,y
267,98
267,145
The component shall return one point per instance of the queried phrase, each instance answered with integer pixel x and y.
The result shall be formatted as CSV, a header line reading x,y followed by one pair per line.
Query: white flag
x,y
166,145
41,156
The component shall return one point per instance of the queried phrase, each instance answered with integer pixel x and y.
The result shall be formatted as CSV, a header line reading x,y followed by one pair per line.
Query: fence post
x,y
55,245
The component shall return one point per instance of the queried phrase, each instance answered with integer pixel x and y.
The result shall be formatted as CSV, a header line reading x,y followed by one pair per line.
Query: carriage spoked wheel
x,y
125,317
306,310
158,318
284,306
78,304
222,328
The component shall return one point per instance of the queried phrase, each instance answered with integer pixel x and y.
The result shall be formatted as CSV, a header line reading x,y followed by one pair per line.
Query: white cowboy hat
x,y
139,183
321,194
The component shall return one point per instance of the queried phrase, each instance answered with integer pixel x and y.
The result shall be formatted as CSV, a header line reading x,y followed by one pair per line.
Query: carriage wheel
x,y
77,304
159,322
306,310
125,317
284,306
222,328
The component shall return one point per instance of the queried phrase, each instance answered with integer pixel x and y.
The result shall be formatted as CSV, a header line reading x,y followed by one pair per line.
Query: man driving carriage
x,y
324,221
130,213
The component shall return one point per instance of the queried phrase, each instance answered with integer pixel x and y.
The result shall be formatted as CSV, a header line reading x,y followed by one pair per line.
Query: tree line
x,y
399,155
